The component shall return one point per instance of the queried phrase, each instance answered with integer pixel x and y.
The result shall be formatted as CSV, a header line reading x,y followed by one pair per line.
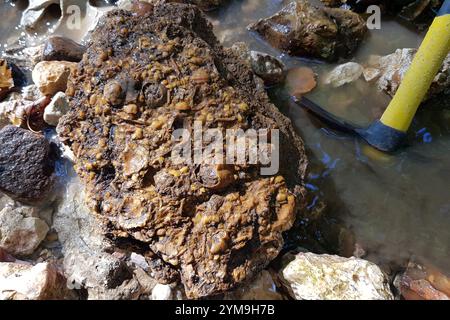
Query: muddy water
x,y
395,206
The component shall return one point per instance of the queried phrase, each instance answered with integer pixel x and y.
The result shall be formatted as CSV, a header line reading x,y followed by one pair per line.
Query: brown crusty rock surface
x,y
143,77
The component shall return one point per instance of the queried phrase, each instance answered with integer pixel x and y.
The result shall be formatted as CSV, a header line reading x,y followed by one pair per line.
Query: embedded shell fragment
x,y
144,77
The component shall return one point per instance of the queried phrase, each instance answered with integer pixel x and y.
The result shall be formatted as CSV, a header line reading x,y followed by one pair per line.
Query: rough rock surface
x,y
20,232
326,277
62,49
26,165
393,68
51,76
206,5
26,282
305,30
214,226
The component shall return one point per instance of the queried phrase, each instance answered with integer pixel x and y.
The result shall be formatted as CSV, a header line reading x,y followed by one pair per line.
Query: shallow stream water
x,y
396,206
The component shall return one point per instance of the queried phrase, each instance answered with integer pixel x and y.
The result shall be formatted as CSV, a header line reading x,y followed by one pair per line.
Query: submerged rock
x,y
305,30
25,282
424,282
21,232
300,81
213,226
62,49
343,74
393,68
51,76
326,277
262,288
26,165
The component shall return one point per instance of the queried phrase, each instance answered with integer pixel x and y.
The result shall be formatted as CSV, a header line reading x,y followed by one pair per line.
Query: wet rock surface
x,y
26,165
300,81
423,282
305,30
269,68
213,226
326,277
62,49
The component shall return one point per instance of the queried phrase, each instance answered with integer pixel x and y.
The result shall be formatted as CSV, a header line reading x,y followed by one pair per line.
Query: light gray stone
x,y
21,232
343,74
56,109
326,277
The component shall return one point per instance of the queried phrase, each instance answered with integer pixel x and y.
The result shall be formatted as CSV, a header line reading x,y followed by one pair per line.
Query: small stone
x,y
325,277
371,74
56,109
162,292
26,166
25,282
51,76
31,93
300,81
343,74
20,234
62,49
267,67
139,260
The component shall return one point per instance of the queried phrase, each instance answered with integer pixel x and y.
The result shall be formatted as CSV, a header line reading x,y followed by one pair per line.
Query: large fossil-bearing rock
x,y
144,76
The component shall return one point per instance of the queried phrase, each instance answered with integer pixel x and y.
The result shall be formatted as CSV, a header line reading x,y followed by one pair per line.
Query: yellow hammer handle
x,y
417,80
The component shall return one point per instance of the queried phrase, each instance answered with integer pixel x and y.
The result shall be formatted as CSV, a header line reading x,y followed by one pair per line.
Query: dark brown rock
x,y
216,227
306,30
26,166
62,49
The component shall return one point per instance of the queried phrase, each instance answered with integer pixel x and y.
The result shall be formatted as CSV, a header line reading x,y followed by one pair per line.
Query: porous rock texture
x,y
144,76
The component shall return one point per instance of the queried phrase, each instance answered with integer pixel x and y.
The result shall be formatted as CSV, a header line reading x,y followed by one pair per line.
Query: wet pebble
x,y
62,49
300,81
